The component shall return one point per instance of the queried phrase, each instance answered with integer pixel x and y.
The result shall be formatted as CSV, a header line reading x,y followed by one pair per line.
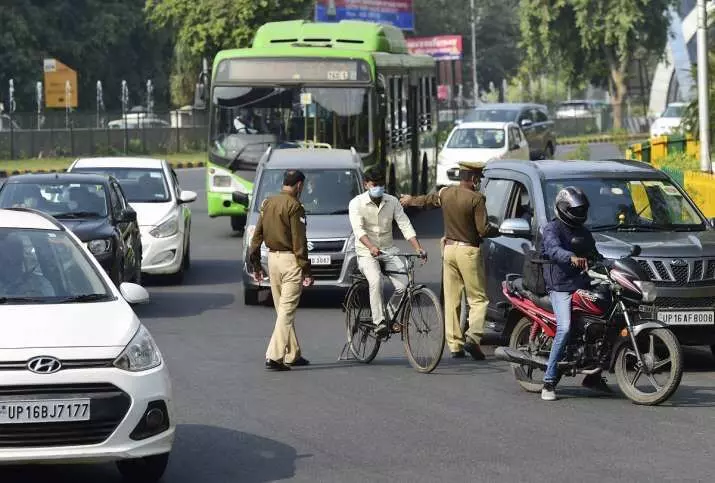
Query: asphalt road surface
x,y
346,422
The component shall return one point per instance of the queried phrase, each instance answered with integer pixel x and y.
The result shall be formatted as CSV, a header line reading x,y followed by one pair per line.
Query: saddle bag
x,y
534,269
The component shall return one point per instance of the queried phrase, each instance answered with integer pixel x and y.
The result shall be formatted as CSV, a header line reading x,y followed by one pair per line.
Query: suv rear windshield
x,y
326,191
468,137
631,204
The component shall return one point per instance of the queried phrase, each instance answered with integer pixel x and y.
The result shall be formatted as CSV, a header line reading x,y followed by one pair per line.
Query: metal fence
x,y
29,135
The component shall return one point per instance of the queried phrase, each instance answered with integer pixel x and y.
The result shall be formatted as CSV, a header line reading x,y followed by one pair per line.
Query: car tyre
x,y
187,256
117,274
250,296
712,349
238,223
149,469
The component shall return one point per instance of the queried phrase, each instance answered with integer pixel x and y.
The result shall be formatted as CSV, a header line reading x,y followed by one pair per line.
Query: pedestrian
x,y
372,214
282,226
466,226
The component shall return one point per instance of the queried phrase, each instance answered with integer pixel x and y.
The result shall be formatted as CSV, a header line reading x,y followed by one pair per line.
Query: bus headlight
x,y
221,181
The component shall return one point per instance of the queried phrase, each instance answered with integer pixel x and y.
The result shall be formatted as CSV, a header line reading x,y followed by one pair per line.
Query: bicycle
x,y
407,320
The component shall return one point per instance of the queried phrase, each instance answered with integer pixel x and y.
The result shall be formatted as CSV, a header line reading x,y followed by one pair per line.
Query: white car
x,y
669,121
152,189
479,141
82,379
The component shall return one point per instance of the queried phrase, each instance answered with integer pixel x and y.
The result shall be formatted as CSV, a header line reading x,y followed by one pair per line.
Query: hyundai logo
x,y
678,262
310,246
44,365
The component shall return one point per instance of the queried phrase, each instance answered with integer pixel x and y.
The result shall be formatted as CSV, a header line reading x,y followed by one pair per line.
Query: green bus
x,y
341,85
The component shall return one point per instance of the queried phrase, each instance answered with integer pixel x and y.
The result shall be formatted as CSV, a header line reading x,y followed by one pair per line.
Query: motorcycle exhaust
x,y
517,357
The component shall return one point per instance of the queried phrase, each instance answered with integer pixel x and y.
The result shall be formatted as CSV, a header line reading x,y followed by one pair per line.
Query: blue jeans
x,y
562,309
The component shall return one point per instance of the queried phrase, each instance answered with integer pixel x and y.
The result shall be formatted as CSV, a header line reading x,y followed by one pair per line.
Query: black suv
x,y
631,203
92,206
532,118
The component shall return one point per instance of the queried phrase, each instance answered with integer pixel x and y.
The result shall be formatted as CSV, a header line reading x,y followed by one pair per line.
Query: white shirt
x,y
375,221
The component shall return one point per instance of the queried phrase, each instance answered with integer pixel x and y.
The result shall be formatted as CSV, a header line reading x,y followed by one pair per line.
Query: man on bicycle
x,y
371,217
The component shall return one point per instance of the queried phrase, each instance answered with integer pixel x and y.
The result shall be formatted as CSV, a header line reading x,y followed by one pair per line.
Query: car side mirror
x,y
187,196
129,216
526,122
134,294
515,227
712,222
457,122
240,198
515,147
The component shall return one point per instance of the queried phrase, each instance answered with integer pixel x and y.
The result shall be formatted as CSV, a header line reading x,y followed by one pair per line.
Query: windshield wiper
x,y
339,212
626,227
23,300
79,214
88,297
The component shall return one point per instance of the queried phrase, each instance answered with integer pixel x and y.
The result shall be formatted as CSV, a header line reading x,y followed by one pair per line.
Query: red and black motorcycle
x,y
608,333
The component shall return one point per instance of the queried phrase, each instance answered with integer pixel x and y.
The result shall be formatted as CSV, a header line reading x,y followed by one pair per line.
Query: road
x,y
344,422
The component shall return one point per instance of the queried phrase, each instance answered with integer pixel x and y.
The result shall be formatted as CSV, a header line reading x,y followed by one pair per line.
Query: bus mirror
x,y
240,198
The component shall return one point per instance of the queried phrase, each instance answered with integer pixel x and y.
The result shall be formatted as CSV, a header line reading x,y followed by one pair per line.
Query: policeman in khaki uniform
x,y
281,225
465,227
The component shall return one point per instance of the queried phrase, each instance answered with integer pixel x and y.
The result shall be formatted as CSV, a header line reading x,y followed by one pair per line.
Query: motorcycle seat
x,y
543,302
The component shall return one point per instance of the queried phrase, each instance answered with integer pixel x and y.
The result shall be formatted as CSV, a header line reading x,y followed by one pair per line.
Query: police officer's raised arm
x,y
299,240
428,201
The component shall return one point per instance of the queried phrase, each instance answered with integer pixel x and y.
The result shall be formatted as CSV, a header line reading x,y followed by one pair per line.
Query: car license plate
x,y
44,411
687,318
319,259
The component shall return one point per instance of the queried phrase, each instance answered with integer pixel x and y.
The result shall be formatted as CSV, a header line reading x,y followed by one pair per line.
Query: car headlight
x,y
141,354
99,247
350,245
648,289
166,228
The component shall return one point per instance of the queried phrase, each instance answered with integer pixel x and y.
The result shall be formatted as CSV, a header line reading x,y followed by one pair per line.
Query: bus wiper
x,y
87,297
78,214
237,158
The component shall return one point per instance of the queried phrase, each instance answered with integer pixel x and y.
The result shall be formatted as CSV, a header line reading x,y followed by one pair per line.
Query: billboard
x,y
56,77
394,12
443,47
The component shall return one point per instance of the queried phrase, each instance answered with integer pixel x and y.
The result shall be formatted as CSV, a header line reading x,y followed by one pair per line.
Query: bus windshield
x,y
246,120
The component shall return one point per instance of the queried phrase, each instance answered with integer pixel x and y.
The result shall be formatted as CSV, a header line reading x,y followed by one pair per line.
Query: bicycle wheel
x,y
358,321
424,330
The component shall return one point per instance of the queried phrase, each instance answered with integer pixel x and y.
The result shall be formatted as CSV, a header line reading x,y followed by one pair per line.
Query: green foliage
x,y
203,27
681,161
105,40
583,151
593,39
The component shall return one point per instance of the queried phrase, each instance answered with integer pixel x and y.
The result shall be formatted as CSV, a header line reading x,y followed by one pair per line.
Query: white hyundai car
x,y
82,379
152,189
479,141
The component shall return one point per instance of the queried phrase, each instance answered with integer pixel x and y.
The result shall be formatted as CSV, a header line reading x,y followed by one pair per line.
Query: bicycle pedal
x,y
396,328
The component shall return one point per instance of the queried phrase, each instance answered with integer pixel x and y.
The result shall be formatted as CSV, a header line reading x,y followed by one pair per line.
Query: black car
x,y
532,118
632,203
92,206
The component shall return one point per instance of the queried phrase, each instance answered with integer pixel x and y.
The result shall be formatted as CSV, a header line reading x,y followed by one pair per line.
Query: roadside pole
x,y
703,91
475,84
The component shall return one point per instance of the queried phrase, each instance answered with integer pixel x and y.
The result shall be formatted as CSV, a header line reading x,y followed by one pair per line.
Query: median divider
x,y
4,173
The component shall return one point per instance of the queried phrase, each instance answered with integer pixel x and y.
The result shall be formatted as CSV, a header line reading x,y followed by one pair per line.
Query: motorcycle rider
x,y
564,276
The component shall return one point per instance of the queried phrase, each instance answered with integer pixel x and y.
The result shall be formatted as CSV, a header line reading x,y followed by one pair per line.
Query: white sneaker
x,y
548,393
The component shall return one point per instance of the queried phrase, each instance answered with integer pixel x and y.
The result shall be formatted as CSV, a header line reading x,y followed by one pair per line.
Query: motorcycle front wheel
x,y
659,375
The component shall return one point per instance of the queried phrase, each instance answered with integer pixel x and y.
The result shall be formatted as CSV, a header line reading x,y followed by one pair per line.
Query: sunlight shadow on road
x,y
182,304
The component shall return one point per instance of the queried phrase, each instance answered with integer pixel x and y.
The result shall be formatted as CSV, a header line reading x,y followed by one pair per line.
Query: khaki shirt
x,y
281,225
464,212
375,221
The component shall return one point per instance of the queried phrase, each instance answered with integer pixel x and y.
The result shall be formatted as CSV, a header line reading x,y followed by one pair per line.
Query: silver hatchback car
x,y
333,178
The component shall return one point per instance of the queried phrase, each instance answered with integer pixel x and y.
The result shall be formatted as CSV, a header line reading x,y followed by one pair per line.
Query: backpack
x,y
533,270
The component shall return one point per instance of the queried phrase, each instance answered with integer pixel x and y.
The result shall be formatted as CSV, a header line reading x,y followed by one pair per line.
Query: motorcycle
x,y
608,332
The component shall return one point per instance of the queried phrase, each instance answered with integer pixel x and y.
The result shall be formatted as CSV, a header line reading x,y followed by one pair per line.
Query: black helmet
x,y
572,206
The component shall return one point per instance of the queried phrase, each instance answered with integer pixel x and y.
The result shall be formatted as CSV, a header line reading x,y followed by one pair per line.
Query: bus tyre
x,y
238,223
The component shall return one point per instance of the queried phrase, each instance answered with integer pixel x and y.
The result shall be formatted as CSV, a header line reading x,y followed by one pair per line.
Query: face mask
x,y
377,191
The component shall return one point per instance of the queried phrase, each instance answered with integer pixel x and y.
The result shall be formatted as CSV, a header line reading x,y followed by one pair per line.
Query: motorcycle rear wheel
x,y
653,345
530,380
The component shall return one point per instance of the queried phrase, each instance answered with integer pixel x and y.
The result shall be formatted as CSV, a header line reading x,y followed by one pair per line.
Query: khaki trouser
x,y
464,270
286,286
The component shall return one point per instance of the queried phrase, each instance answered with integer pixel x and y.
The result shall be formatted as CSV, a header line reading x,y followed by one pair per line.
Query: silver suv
x,y
333,178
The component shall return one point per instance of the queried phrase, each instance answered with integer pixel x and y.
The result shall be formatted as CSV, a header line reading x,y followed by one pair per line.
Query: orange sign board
x,y
56,77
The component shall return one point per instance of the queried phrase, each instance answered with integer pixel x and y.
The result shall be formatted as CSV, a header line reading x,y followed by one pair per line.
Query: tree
x,y
203,27
594,39
497,34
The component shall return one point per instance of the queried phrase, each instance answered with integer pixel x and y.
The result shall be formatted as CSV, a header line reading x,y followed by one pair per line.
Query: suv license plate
x,y
45,411
687,318
319,259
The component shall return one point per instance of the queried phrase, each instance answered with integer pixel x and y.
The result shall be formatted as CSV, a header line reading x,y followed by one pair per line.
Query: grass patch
x,y
613,138
60,164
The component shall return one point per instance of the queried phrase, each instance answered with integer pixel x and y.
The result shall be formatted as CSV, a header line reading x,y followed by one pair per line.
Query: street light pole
x,y
475,84
705,164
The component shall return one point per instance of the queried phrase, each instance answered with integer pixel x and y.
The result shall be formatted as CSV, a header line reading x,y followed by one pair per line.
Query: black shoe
x,y
301,361
596,382
381,329
474,350
458,355
272,365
